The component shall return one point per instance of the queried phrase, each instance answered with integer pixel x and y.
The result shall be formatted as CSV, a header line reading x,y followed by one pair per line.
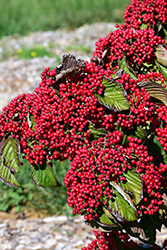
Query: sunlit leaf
x,y
42,175
155,90
7,176
114,96
105,221
11,154
133,185
121,205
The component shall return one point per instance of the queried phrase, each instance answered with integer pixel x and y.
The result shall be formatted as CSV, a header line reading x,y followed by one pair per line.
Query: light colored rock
x,y
50,243
60,246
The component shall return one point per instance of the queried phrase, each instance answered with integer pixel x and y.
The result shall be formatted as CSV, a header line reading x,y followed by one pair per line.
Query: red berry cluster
x,y
149,12
106,160
61,116
152,175
137,45
93,167
110,241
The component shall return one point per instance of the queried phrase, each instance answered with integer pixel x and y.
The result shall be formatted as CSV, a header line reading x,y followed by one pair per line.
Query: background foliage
x,y
33,15
48,201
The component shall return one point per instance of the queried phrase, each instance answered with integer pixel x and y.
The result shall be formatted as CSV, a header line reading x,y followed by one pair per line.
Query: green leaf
x,y
94,224
135,132
104,222
133,185
31,122
114,96
7,176
11,154
155,90
163,70
97,132
124,65
42,175
140,133
121,206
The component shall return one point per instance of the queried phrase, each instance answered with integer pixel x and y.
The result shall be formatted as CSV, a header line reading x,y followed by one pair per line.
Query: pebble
x,y
53,233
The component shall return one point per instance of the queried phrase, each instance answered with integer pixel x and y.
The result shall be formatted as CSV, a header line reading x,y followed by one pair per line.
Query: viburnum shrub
x,y
109,118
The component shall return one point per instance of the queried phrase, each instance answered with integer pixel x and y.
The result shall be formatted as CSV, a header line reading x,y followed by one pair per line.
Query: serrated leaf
x,y
42,175
114,96
155,90
7,176
121,205
11,154
161,54
133,185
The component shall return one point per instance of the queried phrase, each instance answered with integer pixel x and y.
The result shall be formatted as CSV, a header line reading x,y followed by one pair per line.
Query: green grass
x,y
36,51
23,17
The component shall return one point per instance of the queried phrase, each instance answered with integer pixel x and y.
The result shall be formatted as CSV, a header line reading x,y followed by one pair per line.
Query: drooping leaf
x,y
97,132
11,154
109,215
121,205
155,90
136,132
134,229
114,96
149,228
133,185
7,176
140,133
104,222
117,75
161,54
42,175
163,70
124,65
95,225
31,122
